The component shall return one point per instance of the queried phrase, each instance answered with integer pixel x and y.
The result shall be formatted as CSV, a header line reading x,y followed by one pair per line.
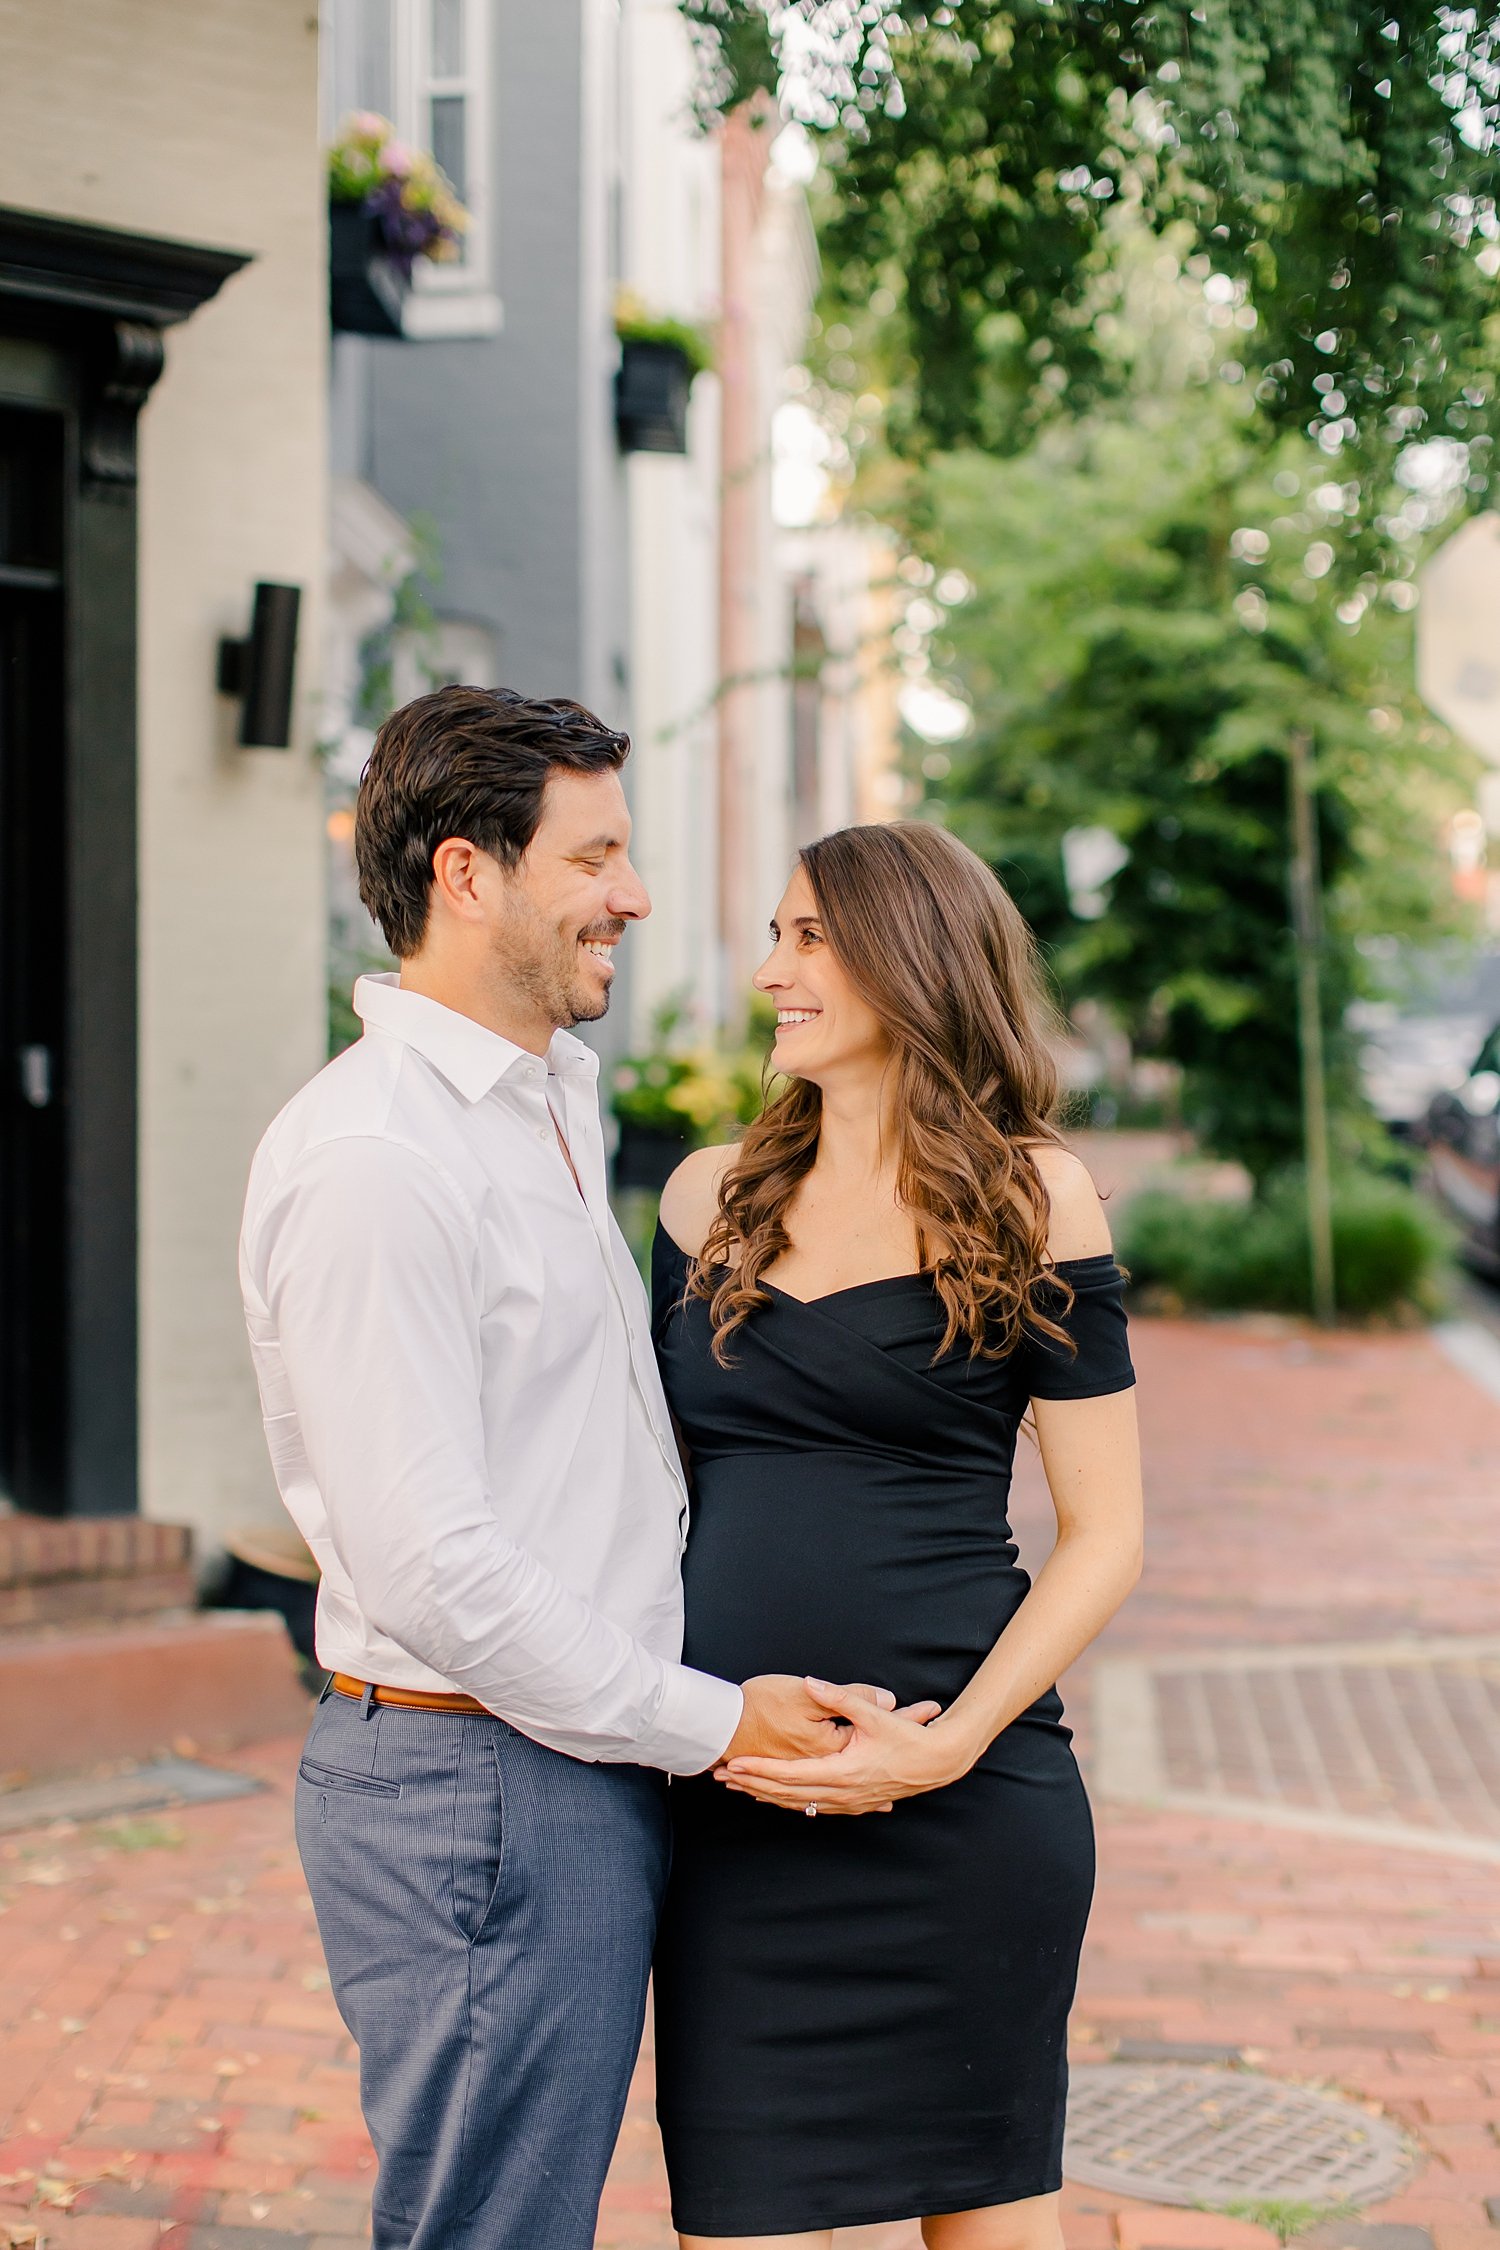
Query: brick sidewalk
x,y
172,2071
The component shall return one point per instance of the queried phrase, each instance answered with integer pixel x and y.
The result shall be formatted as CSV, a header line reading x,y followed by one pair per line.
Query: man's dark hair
x,y
463,761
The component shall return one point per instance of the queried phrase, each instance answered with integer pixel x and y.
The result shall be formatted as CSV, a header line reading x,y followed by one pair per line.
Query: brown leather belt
x,y
407,1698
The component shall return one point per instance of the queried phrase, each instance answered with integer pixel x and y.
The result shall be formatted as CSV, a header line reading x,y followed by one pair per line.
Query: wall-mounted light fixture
x,y
259,670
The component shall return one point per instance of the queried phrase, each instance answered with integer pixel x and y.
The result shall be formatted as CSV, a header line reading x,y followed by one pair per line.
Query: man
x,y
466,1423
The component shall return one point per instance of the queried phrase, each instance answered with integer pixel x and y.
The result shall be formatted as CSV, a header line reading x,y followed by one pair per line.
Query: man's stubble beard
x,y
545,969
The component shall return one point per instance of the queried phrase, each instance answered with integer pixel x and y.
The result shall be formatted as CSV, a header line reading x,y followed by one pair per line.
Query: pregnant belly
x,y
853,1567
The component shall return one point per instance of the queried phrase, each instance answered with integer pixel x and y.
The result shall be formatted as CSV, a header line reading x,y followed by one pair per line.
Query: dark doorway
x,y
34,981
82,314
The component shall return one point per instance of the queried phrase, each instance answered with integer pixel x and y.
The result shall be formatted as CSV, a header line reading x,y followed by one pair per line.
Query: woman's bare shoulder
x,y
1078,1227
690,1199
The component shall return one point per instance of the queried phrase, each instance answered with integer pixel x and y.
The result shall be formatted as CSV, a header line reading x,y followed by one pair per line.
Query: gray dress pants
x,y
488,1909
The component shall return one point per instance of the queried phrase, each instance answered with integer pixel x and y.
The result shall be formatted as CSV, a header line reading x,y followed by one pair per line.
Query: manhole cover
x,y
1179,2135
152,1788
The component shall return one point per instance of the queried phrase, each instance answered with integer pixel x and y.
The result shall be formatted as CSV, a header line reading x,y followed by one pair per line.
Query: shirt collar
x,y
470,1056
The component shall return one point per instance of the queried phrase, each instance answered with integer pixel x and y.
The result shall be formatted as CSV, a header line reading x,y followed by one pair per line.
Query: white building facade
x,y
655,586
163,344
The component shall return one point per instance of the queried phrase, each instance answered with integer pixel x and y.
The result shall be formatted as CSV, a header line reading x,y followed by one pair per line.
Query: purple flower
x,y
408,234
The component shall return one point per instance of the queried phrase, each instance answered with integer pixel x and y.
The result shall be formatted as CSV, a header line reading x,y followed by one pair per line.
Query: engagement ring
x,y
811,1811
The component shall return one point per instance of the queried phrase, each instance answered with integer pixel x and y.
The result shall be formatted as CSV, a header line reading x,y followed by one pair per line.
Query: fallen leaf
x,y
23,2236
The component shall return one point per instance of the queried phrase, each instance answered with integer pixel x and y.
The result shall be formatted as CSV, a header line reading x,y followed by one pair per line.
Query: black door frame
x,y
82,310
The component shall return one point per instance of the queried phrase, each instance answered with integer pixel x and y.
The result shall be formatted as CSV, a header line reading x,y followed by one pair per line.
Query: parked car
x,y
1462,1134
1406,1058
1420,1035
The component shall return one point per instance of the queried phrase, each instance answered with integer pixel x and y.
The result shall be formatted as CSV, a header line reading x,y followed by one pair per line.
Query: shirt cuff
x,y
695,1722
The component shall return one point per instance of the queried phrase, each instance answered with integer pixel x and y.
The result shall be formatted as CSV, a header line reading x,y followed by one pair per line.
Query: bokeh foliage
x,y
1143,633
1146,310
1335,157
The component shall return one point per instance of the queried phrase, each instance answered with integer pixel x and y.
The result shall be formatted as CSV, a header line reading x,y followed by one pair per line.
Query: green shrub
x,y
707,1091
1388,1248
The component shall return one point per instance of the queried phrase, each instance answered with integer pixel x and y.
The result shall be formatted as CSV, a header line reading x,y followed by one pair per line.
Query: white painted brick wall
x,y
198,118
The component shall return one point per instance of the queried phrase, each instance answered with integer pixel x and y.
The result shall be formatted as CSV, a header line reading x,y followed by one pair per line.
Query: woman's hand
x,y
782,1719
886,1755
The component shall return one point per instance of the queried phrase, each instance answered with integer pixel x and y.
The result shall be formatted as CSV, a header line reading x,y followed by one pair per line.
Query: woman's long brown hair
x,y
932,943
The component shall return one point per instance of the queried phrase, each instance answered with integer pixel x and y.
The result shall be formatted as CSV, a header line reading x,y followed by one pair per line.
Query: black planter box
x,y
366,288
648,1155
651,398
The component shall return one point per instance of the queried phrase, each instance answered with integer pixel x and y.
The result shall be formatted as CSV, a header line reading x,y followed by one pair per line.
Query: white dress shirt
x,y
460,1396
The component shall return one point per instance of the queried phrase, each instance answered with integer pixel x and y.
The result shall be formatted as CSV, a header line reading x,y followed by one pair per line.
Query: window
x,y
426,65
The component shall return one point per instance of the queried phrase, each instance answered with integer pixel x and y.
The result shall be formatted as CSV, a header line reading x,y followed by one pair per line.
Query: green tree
x,y
1333,160
1152,611
1166,311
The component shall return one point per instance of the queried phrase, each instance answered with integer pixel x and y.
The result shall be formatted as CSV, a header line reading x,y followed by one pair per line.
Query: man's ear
x,y
457,878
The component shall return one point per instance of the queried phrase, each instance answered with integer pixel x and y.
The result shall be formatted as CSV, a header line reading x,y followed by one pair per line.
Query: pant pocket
x,y
334,1777
478,1828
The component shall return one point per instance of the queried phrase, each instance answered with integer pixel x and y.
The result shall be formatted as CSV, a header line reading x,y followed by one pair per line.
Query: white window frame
x,y
458,299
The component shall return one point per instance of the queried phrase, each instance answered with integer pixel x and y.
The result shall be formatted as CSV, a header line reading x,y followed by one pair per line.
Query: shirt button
x,y
542,1133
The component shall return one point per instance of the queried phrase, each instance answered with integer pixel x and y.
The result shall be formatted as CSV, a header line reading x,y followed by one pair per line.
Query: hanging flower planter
x,y
651,398
366,287
388,206
658,359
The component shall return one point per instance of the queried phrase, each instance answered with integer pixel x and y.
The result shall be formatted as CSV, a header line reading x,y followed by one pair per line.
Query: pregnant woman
x,y
862,2019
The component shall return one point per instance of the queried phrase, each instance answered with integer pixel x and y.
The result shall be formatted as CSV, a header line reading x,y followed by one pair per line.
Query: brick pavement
x,y
173,2073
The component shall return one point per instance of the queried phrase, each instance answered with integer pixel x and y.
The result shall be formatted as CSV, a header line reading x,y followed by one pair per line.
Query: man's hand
x,y
884,1754
783,1719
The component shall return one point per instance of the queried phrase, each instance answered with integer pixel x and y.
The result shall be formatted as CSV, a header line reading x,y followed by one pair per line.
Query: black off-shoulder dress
x,y
865,2019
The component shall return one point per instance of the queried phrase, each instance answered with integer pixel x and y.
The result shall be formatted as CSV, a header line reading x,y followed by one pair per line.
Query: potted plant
x,y
659,357
678,1096
388,205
